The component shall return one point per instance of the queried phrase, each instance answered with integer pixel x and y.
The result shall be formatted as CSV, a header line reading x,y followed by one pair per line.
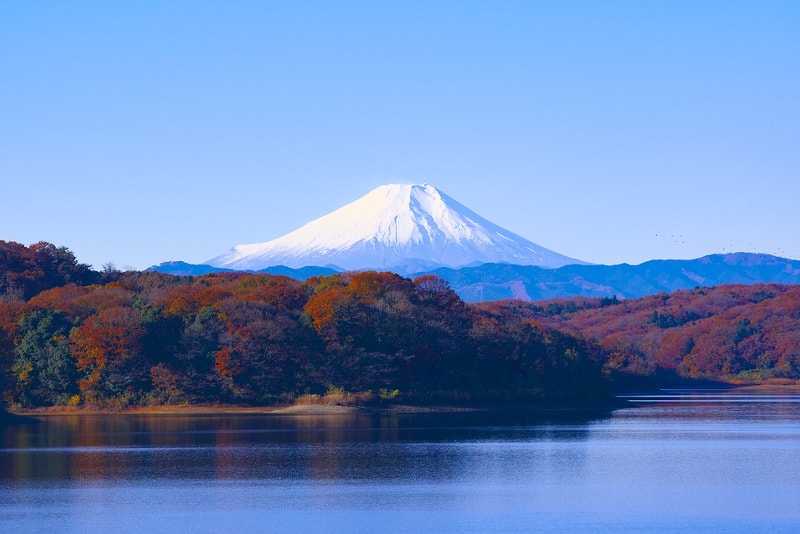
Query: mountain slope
x,y
733,332
397,227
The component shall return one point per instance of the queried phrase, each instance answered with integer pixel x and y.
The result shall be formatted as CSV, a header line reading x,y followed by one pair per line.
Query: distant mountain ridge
x,y
397,227
498,282
495,281
181,268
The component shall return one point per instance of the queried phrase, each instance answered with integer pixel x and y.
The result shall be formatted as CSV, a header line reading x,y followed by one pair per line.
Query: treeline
x,y
71,336
734,333
25,271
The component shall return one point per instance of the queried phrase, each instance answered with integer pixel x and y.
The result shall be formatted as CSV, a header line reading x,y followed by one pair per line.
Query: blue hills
x,y
500,281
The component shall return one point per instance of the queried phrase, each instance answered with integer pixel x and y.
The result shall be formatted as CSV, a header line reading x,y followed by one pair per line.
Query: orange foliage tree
x,y
105,347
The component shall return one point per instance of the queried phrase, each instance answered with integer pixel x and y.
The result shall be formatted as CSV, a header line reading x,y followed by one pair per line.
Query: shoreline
x,y
313,409
333,408
223,409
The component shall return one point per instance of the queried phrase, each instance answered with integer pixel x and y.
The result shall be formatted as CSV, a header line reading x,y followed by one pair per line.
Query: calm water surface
x,y
682,461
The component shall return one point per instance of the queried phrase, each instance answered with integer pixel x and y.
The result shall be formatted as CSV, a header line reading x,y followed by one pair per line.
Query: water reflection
x,y
732,405
654,467
269,446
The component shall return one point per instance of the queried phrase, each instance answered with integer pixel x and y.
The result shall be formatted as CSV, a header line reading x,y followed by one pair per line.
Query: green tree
x,y
44,368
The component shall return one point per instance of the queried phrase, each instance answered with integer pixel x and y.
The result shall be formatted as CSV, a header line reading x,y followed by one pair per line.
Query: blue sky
x,y
614,131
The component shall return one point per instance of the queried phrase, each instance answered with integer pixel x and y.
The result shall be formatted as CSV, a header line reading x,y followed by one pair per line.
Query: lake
x,y
679,461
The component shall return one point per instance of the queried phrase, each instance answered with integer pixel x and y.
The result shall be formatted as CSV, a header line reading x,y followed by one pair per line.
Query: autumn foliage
x,y
733,333
71,336
151,338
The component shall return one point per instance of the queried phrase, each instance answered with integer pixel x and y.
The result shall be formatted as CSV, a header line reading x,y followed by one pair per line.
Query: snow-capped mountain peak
x,y
395,226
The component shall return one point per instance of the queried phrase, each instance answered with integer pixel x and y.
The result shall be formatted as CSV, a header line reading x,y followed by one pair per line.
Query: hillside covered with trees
x,y
70,336
117,339
733,333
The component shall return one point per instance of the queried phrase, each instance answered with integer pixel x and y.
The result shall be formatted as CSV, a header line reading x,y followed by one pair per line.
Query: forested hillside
x,y
73,336
120,339
733,333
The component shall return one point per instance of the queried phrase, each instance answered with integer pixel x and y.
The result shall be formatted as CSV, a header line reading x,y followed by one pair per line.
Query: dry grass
x,y
337,398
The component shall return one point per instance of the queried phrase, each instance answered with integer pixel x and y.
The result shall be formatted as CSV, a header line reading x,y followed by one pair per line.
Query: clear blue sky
x,y
616,131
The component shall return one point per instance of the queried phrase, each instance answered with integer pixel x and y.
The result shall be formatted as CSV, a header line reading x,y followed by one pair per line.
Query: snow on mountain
x,y
399,227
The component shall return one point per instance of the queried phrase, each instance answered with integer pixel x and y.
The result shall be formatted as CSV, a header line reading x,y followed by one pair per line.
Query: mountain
x,y
417,229
404,228
181,268
497,282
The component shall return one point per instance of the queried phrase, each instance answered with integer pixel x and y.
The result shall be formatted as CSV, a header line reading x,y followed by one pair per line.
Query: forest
x,y
71,336
731,333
